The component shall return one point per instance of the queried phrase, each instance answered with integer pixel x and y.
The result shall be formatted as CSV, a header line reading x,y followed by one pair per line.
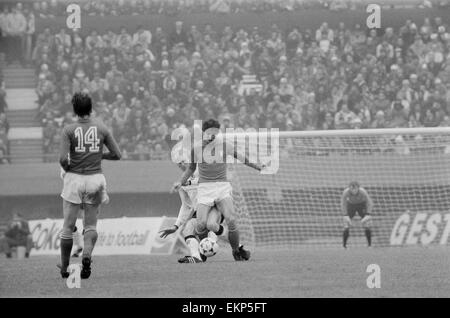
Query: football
x,y
208,247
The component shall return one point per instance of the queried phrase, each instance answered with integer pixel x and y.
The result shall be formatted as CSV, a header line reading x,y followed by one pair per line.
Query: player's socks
x,y
90,238
224,234
368,233
233,237
66,248
77,244
345,236
201,234
192,243
219,231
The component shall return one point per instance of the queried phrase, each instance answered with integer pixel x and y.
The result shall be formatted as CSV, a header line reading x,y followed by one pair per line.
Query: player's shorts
x,y
89,189
194,216
360,208
209,193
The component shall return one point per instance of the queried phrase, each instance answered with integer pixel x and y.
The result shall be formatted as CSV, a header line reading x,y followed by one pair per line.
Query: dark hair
x,y
354,183
82,104
210,123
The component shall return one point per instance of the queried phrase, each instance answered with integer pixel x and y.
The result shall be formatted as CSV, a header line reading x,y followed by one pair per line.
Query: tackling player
x,y
84,184
187,215
214,187
355,199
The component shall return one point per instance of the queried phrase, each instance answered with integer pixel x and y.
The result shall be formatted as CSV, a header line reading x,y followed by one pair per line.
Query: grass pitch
x,y
305,272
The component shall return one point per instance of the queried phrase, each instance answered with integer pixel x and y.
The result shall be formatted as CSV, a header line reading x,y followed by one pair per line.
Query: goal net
x,y
405,171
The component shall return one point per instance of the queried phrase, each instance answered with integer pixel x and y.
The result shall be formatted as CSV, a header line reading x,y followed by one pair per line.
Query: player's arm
x,y
230,150
187,174
344,208
186,210
111,144
184,214
368,200
64,151
344,202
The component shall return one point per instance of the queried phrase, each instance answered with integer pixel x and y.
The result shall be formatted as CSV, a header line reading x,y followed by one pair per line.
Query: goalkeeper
x,y
355,199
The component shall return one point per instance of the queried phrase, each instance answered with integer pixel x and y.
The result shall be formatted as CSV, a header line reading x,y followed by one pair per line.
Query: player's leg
x,y
192,243
90,237
214,221
8,243
94,195
77,243
347,224
202,216
191,240
366,221
29,245
70,211
226,207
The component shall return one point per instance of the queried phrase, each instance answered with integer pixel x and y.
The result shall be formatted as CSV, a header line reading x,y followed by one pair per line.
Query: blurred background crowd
x,y
146,82
54,8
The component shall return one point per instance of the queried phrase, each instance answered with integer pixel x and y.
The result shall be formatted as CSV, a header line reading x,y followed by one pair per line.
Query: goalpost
x,y
406,172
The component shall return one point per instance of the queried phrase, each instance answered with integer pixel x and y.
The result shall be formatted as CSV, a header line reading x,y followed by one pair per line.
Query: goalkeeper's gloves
x,y
166,232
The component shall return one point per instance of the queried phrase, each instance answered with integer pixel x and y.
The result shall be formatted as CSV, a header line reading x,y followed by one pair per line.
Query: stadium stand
x,y
148,81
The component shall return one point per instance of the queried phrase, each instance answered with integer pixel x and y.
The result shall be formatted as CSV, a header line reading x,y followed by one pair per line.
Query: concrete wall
x,y
135,188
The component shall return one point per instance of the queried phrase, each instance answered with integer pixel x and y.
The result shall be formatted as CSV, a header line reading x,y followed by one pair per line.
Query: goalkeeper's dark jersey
x,y
359,198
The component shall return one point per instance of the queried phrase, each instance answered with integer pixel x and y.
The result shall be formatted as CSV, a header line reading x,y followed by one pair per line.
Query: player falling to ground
x,y
355,199
187,215
84,184
214,187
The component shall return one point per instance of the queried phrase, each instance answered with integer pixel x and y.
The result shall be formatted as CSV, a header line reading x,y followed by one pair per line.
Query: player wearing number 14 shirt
x,y
84,183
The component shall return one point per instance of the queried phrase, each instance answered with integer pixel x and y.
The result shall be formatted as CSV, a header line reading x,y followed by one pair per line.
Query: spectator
x,y
27,39
329,78
179,35
344,117
16,26
143,37
3,30
17,234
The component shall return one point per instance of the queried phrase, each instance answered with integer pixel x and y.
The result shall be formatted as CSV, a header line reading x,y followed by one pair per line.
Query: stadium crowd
x,y
146,82
54,8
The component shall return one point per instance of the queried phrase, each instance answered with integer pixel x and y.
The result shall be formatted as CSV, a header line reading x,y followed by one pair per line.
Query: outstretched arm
x,y
186,175
184,215
243,158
